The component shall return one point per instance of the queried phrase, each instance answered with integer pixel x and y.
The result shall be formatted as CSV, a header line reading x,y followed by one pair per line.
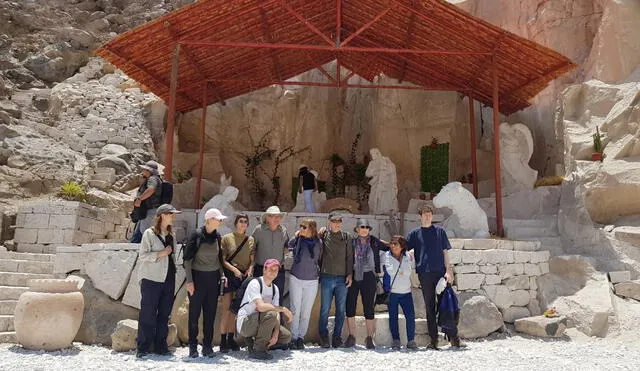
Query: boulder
x,y
117,163
124,337
116,150
499,295
11,108
110,270
101,314
542,326
513,313
479,317
629,289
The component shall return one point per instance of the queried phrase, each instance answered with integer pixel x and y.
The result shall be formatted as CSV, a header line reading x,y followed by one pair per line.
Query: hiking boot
x,y
336,342
231,343
193,351
164,352
300,344
262,355
141,354
369,343
224,347
433,345
293,345
350,342
456,343
412,345
208,352
395,344
249,342
324,341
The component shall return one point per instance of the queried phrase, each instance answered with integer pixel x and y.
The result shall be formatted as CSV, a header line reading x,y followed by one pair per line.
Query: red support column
x,y
203,123
474,160
496,148
171,117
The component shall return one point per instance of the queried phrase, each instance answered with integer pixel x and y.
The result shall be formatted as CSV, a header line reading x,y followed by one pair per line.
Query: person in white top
x,y
397,266
259,314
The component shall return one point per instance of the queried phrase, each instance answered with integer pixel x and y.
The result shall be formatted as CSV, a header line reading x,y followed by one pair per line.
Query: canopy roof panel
x,y
232,47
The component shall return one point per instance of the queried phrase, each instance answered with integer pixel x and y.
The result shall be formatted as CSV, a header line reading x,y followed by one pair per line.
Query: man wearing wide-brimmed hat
x,y
271,243
147,197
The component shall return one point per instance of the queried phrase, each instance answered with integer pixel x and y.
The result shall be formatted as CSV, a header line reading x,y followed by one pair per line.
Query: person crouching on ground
x,y
397,265
203,268
238,251
303,282
258,317
157,274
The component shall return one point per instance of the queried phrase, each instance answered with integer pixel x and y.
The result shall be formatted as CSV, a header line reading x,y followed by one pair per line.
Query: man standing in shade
x,y
271,243
430,245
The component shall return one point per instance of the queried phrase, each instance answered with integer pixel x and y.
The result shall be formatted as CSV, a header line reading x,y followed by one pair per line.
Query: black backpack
x,y
191,254
236,302
166,192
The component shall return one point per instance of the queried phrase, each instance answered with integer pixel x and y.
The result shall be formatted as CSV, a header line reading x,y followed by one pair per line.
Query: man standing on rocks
x,y
430,245
147,197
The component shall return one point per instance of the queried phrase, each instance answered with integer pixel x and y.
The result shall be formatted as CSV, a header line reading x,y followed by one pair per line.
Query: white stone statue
x,y
223,202
383,198
467,219
516,148
224,183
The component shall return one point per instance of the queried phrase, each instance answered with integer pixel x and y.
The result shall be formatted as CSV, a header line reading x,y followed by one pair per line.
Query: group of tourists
x,y
247,272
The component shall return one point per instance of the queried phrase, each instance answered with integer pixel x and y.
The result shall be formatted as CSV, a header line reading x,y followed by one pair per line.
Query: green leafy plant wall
x,y
434,167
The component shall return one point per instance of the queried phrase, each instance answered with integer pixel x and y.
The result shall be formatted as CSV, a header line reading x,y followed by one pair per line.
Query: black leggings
x,y
367,290
205,301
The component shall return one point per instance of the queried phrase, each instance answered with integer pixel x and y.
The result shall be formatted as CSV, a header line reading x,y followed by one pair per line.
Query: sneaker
x,y
262,355
456,343
208,352
350,342
141,354
433,345
395,344
231,343
369,342
412,345
324,341
249,342
193,351
300,344
224,347
336,342
293,345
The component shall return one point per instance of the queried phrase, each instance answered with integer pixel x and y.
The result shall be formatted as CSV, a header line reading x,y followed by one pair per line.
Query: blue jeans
x,y
406,302
331,286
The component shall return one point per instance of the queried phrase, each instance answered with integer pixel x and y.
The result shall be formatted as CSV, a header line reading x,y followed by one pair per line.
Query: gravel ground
x,y
513,353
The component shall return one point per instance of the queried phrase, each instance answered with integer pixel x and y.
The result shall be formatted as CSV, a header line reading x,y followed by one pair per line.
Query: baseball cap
x,y
271,263
167,209
214,214
335,215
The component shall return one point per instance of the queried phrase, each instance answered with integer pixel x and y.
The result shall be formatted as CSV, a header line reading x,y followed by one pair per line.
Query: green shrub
x,y
72,191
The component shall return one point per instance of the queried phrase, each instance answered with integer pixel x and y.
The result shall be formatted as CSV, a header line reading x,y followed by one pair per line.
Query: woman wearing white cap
x,y
204,271
157,276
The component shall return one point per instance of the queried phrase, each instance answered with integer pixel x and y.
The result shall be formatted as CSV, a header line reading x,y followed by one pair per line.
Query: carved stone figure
x,y
225,202
467,219
383,198
516,148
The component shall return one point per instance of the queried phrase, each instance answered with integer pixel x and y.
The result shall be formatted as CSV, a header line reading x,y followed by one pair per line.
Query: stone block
x,y
37,220
534,307
531,269
620,276
48,236
26,235
544,268
124,337
526,245
480,244
457,243
473,257
498,256
80,238
517,283
34,248
110,270
505,244
630,289
20,220
492,279
489,269
522,256
500,295
509,270
533,283
455,256
520,298
510,315
67,262
540,256
469,281
132,294
466,268
542,326
63,222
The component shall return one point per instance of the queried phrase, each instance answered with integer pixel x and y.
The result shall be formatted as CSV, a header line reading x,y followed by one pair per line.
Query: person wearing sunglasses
x,y
303,282
336,268
366,270
397,265
238,252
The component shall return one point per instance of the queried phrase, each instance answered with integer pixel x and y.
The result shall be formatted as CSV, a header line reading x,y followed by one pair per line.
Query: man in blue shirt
x,y
431,245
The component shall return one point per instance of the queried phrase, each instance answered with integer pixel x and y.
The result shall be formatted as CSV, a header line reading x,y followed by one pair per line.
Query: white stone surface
x,y
110,270
500,295
619,276
467,219
469,281
383,197
516,148
512,314
478,318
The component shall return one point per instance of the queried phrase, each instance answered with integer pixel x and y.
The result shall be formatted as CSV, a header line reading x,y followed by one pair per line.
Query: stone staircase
x,y
16,269
543,230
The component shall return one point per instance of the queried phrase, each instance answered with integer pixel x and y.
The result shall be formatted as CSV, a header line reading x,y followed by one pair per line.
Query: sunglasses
x,y
335,220
365,227
303,227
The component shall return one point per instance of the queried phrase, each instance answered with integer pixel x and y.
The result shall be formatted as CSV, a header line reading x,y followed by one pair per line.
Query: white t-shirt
x,y
402,284
251,294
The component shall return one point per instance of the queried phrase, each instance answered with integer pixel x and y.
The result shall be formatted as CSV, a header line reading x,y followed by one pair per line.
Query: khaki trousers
x,y
261,326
